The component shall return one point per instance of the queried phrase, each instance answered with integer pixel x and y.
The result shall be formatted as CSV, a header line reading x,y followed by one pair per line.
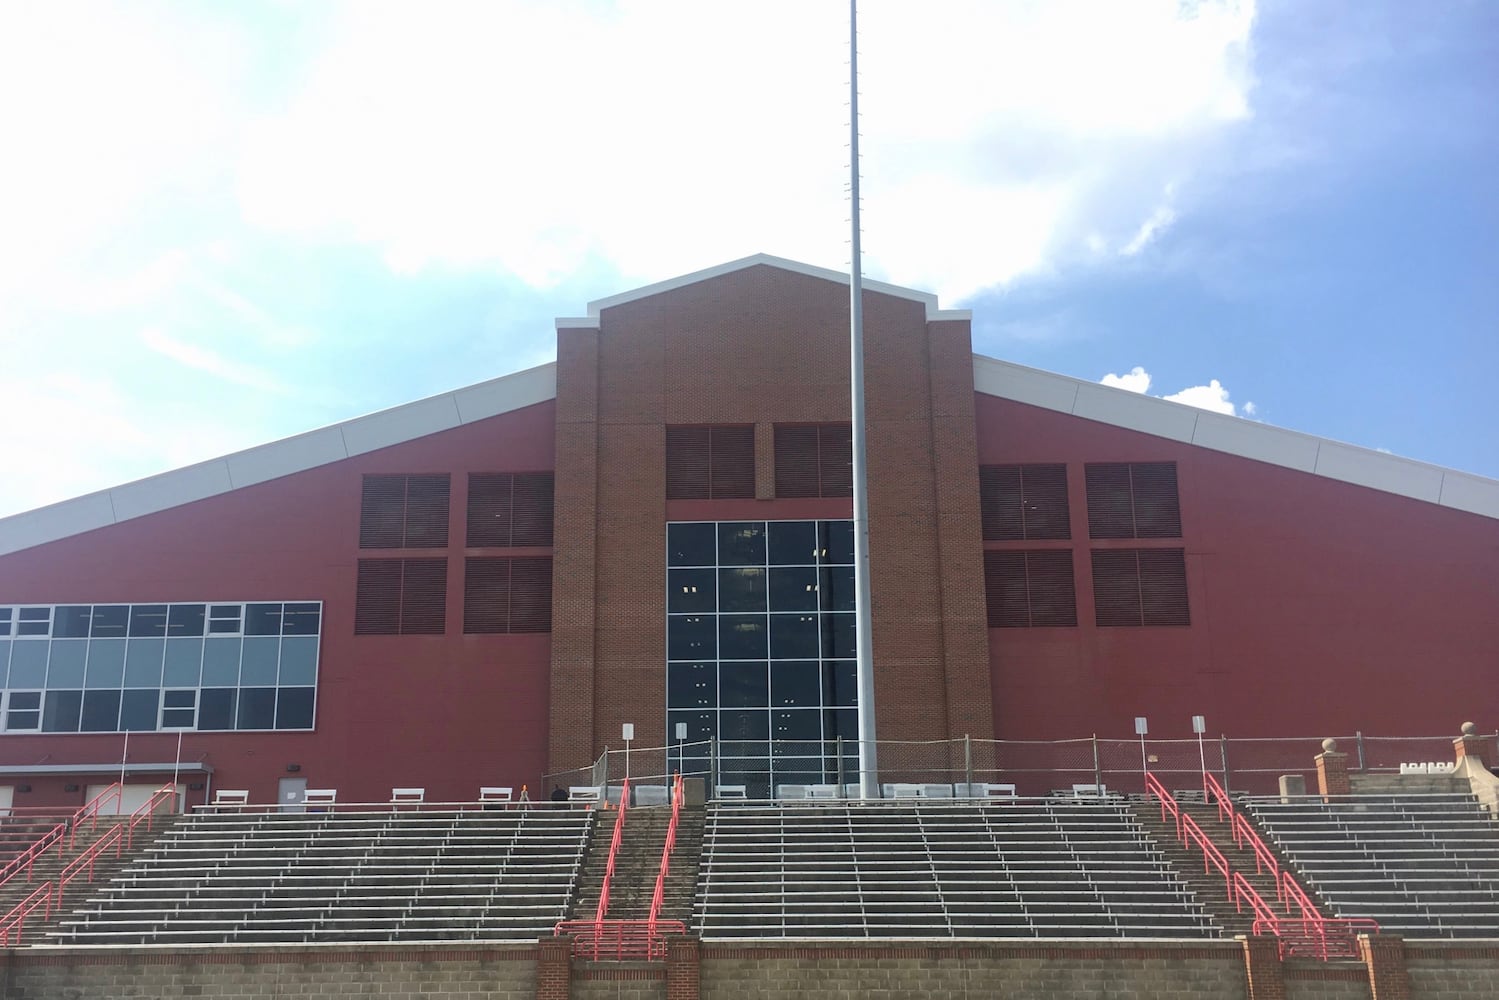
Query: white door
x,y
7,792
132,797
290,792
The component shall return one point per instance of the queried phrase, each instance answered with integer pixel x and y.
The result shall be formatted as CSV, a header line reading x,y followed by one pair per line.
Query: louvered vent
x,y
398,511
508,510
507,595
401,597
1024,503
1030,589
1140,587
710,462
1133,500
531,594
814,460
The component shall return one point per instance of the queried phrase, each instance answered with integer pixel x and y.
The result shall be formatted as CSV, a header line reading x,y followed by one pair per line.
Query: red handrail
x,y
57,835
91,809
147,812
15,921
659,896
619,832
114,838
619,939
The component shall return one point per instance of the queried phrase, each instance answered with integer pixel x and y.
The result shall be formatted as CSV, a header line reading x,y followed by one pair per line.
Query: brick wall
x,y
502,972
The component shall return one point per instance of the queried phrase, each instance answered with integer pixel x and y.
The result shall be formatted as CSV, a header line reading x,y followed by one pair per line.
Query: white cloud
x,y
210,362
1149,230
1213,396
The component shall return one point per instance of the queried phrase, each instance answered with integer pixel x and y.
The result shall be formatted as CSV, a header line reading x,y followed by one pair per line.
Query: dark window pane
x,y
691,685
179,699
101,712
691,544
4,662
700,726
741,726
803,724
840,682
793,637
690,590
65,667
836,588
71,622
300,619
34,621
62,711
741,589
793,588
257,708
743,685
224,619
186,619
216,708
143,659
178,718
792,543
795,682
691,637
742,637
262,619
148,620
294,708
138,710
106,664
741,543
836,542
111,620
839,639
23,710
845,723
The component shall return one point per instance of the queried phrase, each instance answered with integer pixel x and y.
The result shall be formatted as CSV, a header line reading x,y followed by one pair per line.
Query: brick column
x,y
1384,957
682,968
1470,744
1332,770
1262,964
554,968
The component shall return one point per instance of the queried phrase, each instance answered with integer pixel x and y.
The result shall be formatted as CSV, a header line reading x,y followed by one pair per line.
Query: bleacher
x,y
1423,865
923,869
348,876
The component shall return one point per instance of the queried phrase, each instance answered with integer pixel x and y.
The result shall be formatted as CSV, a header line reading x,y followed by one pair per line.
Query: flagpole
x,y
124,753
176,766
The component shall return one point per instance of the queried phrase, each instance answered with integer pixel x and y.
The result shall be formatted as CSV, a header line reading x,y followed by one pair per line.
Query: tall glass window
x,y
760,649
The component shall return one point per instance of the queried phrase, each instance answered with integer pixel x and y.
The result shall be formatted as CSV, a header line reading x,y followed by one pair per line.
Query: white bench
x,y
903,790
584,793
985,790
731,791
1090,791
497,793
319,797
231,797
407,796
1427,767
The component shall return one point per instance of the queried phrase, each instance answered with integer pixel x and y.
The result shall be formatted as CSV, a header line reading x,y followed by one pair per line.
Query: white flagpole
x,y
177,764
124,754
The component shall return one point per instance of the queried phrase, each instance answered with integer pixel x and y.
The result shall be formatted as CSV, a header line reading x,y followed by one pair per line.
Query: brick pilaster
x,y
682,968
1384,957
1332,770
1470,744
1262,965
554,968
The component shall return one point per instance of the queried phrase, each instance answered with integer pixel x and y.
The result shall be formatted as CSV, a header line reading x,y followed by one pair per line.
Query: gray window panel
x,y
148,621
298,661
793,588
65,664
33,621
138,710
28,663
23,710
257,708
691,590
258,665
743,637
294,708
106,664
842,722
143,659
744,685
110,621
795,682
186,619
741,543
691,544
838,636
224,619
221,662
301,619
803,771
179,709
691,685
741,589
793,637
700,725
7,615
72,621
803,725
840,683
216,708
4,661
836,542
184,663
836,589
792,543
740,725
691,637
101,712
262,619
60,713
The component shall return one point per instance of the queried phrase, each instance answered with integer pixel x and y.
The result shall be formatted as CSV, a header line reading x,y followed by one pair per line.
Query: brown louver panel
x,y
1004,586
382,512
1110,508
1163,587
532,508
489,509
486,595
424,596
835,445
531,594
427,511
797,473
732,462
377,601
1043,492
1157,505
1049,583
999,503
1116,587
688,462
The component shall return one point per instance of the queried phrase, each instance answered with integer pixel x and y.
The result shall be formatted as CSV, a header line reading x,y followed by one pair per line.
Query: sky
x,y
223,224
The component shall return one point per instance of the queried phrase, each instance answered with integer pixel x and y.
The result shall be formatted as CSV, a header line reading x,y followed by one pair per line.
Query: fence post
x,y
1358,737
838,749
1223,749
968,762
712,765
1097,766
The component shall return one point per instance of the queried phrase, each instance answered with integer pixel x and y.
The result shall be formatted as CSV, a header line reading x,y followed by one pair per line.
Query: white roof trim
x,y
1237,436
796,267
396,425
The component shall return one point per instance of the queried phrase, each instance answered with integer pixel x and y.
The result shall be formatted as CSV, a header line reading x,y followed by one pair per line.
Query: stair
x,y
638,864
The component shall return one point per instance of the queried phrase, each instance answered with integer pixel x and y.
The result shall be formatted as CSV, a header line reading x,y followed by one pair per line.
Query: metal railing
x,y
619,833
619,940
658,897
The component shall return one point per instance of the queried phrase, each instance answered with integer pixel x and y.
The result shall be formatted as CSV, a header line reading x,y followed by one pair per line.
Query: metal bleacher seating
x,y
1423,865
945,868
367,875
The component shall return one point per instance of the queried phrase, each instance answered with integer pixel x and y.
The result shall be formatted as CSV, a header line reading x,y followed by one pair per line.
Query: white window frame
x,y
16,626
5,716
161,714
208,621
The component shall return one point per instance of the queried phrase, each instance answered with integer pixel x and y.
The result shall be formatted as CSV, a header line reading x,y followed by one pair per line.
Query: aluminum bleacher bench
x,y
407,796
231,797
730,792
584,793
319,797
497,794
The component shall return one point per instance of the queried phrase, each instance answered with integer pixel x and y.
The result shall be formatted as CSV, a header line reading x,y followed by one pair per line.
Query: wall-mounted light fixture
x,y
196,786
23,788
70,788
293,768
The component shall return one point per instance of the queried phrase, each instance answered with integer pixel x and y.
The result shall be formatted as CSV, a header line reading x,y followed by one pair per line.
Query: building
x,y
480,587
